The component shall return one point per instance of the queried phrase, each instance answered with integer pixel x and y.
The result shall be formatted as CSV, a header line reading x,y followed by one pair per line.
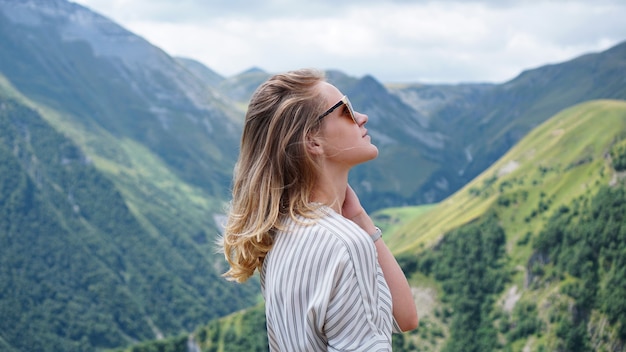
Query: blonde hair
x,y
275,174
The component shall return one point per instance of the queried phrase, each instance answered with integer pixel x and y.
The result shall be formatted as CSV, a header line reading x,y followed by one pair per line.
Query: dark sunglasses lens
x,y
349,105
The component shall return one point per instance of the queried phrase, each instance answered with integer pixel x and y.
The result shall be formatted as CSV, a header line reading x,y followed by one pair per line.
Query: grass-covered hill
x,y
530,255
88,260
563,158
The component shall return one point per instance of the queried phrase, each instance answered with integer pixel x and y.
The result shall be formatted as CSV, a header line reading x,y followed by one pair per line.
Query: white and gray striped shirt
x,y
324,289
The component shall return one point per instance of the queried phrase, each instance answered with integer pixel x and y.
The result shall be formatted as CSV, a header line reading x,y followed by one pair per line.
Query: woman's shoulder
x,y
327,229
343,230
328,236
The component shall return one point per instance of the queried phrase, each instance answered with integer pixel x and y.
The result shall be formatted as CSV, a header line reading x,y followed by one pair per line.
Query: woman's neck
x,y
330,190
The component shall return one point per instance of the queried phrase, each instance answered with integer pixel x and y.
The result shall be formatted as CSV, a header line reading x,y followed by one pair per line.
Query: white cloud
x,y
444,41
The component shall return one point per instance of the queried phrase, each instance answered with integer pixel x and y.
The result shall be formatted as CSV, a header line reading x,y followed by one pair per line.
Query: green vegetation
x,y
618,156
587,242
78,270
558,161
243,331
550,200
147,106
469,265
389,219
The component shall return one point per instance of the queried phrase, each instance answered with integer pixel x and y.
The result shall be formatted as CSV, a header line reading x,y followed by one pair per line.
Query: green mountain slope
x,y
104,77
538,209
139,221
504,264
90,263
555,163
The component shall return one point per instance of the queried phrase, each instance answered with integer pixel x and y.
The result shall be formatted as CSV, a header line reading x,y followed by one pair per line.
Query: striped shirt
x,y
324,289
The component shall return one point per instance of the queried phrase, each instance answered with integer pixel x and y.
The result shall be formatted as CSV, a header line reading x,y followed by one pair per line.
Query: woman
x,y
328,279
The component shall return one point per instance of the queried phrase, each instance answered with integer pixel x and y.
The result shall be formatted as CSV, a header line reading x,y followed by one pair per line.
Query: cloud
x,y
409,41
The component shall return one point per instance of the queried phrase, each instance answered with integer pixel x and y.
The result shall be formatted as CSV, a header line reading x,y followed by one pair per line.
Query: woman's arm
x,y
404,310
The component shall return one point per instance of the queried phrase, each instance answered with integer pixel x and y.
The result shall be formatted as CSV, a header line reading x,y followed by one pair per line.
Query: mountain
x,y
208,76
240,87
80,270
117,158
534,246
433,139
528,256
479,123
68,58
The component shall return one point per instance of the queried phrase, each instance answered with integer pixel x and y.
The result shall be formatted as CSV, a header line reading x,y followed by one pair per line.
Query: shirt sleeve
x,y
358,316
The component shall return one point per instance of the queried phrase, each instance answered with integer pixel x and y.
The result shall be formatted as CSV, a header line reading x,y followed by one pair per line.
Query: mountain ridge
x,y
151,97
487,118
153,146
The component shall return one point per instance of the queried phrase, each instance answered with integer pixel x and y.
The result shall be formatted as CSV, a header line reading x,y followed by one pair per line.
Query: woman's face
x,y
344,141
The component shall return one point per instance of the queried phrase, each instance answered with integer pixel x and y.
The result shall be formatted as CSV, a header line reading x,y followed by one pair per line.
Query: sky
x,y
396,41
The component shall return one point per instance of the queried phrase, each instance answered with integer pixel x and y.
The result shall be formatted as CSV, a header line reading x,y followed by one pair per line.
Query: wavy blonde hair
x,y
275,174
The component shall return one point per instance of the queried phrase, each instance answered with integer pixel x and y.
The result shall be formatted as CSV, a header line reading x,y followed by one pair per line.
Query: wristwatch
x,y
376,235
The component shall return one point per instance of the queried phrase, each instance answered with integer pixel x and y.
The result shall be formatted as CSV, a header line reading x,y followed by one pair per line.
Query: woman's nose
x,y
361,119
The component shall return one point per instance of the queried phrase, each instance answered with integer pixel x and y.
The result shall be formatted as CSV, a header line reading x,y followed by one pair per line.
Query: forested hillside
x,y
117,159
77,269
529,256
551,211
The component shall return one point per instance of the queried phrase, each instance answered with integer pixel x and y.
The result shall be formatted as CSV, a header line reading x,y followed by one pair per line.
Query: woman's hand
x,y
351,206
352,209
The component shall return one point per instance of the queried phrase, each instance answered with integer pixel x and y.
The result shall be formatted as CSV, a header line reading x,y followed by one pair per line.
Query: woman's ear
x,y
313,144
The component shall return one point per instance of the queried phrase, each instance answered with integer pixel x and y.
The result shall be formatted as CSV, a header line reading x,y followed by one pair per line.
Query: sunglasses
x,y
341,102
